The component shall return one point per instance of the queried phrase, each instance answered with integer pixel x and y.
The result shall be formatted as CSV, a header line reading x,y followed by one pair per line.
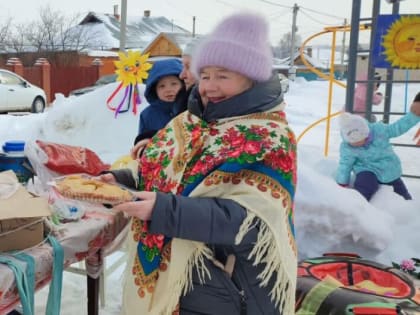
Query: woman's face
x,y
217,84
186,75
168,87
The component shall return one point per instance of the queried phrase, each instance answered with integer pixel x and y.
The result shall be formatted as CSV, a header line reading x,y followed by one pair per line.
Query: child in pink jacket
x,y
359,105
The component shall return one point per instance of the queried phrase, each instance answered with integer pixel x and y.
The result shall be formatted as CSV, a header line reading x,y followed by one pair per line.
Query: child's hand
x,y
344,185
417,136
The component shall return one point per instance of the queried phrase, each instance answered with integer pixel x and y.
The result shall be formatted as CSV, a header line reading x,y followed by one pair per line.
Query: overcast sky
x,y
312,16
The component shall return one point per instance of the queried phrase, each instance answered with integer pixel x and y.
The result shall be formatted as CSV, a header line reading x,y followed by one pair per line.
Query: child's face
x,y
218,84
360,143
168,87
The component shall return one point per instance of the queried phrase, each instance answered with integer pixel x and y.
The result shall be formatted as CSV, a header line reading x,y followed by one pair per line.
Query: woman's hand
x,y
142,208
136,151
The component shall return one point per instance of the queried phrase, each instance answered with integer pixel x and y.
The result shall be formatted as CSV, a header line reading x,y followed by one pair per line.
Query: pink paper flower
x,y
407,265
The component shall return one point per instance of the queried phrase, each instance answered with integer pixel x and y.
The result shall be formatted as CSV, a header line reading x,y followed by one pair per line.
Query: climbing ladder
x,y
359,24
388,80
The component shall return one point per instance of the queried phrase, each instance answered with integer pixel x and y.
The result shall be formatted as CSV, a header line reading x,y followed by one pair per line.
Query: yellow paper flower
x,y
132,68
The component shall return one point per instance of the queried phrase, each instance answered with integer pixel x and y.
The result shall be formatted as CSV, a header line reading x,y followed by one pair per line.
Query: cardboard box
x,y
18,239
20,215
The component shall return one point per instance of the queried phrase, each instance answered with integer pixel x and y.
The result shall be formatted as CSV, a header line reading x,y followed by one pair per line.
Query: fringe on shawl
x,y
184,284
266,251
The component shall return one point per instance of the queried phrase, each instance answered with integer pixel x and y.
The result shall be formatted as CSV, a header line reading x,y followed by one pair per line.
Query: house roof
x,y
285,63
180,40
104,29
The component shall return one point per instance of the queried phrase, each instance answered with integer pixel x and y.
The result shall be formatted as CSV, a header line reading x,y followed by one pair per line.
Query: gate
x,y
67,78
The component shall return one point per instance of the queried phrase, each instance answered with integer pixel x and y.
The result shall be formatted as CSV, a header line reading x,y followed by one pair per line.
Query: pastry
x,y
93,190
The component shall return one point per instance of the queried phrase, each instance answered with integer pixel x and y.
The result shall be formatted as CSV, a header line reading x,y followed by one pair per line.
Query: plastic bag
x,y
51,160
66,209
38,158
66,159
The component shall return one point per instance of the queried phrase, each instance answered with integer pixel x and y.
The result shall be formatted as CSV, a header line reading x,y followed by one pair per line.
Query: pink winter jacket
x,y
360,95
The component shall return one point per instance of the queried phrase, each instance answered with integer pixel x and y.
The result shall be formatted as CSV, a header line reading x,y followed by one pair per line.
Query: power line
x,y
325,14
315,20
279,14
276,4
227,4
300,7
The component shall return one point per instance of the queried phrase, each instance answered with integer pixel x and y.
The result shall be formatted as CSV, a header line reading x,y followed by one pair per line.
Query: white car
x,y
109,78
17,94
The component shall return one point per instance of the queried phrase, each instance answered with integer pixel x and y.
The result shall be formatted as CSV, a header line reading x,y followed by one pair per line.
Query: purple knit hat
x,y
238,43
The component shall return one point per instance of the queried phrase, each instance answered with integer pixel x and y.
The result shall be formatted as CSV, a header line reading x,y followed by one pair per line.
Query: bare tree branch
x,y
5,30
53,31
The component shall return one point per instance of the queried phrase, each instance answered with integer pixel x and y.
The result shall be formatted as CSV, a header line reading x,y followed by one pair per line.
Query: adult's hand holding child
x,y
138,148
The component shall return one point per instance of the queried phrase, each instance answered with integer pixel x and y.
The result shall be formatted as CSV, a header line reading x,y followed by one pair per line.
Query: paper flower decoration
x,y
409,266
131,70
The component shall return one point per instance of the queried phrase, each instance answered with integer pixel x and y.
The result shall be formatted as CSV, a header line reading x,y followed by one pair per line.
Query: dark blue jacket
x,y
159,113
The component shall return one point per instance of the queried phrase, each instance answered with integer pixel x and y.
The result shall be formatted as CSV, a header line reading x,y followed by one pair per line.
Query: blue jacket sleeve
x,y
208,220
345,165
402,125
141,124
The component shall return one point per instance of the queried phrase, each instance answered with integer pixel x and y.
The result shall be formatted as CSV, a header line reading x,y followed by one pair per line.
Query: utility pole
x,y
292,69
193,28
343,44
123,25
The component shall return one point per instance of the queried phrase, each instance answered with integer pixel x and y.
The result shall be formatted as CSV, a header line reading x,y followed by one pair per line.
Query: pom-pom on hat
x,y
353,128
238,43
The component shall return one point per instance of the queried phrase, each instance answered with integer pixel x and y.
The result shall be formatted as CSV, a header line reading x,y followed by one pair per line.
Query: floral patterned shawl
x,y
250,159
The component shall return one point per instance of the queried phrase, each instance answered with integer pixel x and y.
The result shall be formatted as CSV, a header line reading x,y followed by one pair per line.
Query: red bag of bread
x,y
66,159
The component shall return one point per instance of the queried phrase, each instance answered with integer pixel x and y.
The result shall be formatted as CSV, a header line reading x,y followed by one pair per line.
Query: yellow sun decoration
x,y
402,43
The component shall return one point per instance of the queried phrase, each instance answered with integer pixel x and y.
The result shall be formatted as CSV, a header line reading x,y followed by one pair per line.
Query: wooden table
x,y
87,239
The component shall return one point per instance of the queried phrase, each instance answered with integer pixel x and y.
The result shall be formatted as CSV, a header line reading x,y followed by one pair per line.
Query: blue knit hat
x,y
238,43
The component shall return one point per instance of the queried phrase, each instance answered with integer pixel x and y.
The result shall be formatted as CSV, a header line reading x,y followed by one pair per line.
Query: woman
x,y
212,231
